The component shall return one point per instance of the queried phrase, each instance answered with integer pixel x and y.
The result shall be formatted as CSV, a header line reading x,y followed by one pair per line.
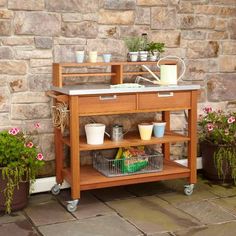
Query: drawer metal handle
x,y
165,94
113,97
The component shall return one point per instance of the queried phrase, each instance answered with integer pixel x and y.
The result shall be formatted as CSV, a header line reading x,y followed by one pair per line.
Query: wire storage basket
x,y
128,166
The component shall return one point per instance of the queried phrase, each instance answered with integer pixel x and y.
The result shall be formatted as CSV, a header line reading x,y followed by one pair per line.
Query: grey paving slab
x,y
13,217
161,234
97,226
223,190
206,212
229,204
18,228
48,213
89,205
148,189
226,229
40,198
110,194
153,215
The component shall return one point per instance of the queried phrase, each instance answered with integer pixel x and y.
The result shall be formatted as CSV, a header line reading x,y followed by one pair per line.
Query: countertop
x,y
106,89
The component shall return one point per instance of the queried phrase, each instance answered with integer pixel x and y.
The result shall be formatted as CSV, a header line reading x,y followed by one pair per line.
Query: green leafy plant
x,y
219,128
133,43
20,160
155,47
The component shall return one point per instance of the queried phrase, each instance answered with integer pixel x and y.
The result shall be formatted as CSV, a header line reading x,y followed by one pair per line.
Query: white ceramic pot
x,y
143,55
133,56
95,133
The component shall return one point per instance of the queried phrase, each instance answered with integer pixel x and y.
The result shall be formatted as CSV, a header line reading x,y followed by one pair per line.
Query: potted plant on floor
x,y
217,137
133,44
19,162
154,49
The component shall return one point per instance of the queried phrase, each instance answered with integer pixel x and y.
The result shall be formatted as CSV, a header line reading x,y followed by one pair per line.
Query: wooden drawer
x,y
109,103
164,100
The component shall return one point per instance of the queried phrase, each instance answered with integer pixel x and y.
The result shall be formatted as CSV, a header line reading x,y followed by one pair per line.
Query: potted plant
x,y
217,137
154,49
143,53
133,44
19,162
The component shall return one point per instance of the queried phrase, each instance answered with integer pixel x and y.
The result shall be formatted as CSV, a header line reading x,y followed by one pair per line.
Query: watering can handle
x,y
182,61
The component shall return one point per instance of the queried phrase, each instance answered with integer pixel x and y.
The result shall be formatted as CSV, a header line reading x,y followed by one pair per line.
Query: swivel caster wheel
x,y
188,189
72,205
56,189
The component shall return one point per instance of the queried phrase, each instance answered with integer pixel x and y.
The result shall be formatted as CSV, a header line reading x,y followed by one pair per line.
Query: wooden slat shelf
x,y
140,73
87,74
132,139
92,179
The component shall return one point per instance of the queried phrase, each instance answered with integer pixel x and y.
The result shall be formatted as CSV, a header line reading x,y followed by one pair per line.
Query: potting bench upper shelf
x,y
87,100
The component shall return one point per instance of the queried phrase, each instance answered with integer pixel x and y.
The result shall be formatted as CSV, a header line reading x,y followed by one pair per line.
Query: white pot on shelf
x,y
133,56
153,56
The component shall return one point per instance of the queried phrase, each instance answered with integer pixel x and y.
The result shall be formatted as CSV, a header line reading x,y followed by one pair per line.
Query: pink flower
x,y
40,156
231,120
210,127
14,131
37,125
207,109
30,144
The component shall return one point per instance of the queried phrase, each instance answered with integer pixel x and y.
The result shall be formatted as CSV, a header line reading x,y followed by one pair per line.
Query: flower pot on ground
x,y
20,161
217,136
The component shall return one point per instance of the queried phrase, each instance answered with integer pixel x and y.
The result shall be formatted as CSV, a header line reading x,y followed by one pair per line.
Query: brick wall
x,y
33,34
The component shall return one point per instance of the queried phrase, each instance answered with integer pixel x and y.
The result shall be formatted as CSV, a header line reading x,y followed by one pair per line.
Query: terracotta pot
x,y
208,165
20,196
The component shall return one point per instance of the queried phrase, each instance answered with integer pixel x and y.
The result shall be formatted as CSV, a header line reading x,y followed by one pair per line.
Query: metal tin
x,y
117,132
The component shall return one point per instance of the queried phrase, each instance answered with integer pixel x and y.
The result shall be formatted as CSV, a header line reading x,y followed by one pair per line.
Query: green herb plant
x,y
155,47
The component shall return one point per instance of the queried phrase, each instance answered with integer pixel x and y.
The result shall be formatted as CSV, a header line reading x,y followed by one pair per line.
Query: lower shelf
x,y
92,179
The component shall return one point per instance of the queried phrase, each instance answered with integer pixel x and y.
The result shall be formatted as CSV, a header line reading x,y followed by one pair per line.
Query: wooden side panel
x,y
57,75
118,77
192,132
166,146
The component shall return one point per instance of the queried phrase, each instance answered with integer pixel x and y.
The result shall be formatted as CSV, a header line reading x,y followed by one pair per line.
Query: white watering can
x,y
168,72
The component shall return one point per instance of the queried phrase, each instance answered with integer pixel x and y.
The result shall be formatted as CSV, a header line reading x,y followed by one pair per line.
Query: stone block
x,y
217,35
69,41
72,17
29,97
40,82
30,111
142,16
41,70
232,28
29,5
195,22
119,4
47,145
221,87
13,67
4,99
108,31
223,2
85,29
14,83
28,52
40,62
227,63
116,17
163,18
221,24
185,7
228,47
199,49
5,119
135,30
215,10
37,23
43,42
152,2
73,6
6,14
16,41
6,53
3,3
5,27
193,34
171,38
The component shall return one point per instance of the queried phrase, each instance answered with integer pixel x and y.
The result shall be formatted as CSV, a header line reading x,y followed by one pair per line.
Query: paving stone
x,y
223,190
50,212
228,229
229,204
110,194
206,212
99,226
152,215
160,234
21,228
89,206
13,217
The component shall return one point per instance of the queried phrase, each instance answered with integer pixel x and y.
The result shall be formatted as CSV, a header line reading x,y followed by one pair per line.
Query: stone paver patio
x,y
155,209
